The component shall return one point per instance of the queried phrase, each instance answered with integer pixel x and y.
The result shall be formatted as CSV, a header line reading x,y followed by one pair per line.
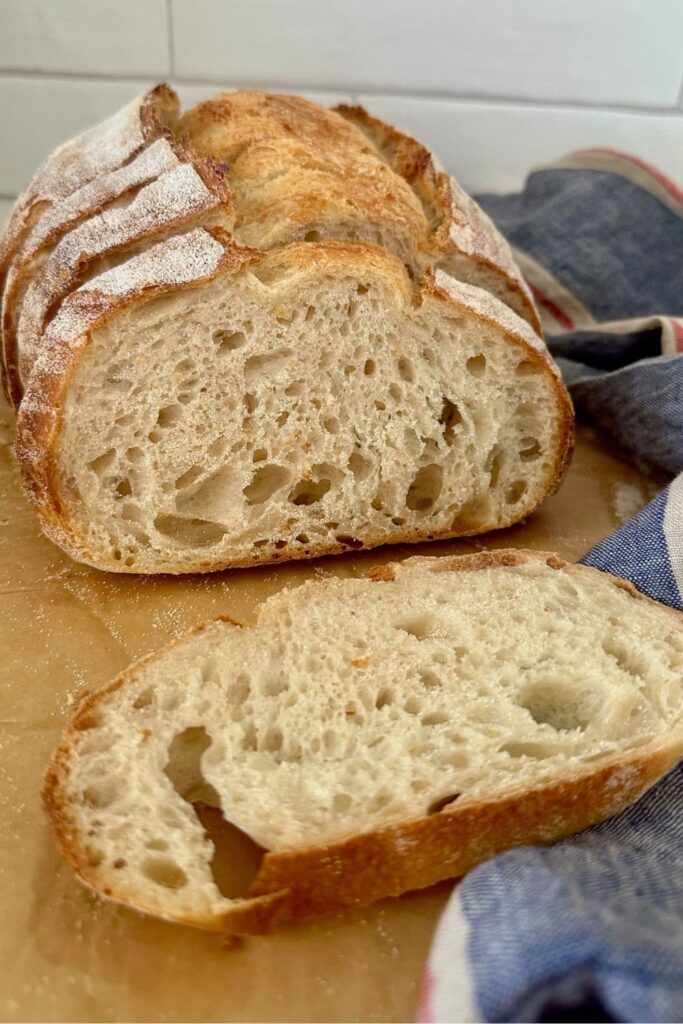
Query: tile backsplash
x,y
493,86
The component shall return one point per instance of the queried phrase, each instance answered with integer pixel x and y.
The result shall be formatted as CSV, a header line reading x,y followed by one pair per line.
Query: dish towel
x,y
592,929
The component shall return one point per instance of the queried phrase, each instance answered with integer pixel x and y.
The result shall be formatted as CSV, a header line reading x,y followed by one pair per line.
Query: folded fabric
x,y
592,928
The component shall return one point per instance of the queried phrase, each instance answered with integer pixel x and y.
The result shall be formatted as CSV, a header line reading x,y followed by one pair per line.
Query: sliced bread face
x,y
374,734
303,403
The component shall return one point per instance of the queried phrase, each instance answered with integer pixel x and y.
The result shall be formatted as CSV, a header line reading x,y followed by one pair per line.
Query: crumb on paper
x,y
627,499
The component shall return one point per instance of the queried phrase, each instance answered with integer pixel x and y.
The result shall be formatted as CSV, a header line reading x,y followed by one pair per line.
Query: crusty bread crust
x,y
76,164
65,344
458,225
399,857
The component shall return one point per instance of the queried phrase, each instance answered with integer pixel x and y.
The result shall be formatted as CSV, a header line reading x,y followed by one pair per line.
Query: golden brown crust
x,y
416,854
301,171
401,856
39,417
460,231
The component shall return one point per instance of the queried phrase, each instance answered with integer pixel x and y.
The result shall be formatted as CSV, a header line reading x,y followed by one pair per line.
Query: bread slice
x,y
374,735
292,404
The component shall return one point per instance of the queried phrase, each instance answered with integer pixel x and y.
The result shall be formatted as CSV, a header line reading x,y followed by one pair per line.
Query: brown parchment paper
x,y
64,954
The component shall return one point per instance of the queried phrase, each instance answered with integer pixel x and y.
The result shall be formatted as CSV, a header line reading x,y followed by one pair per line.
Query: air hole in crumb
x,y
439,805
527,368
228,341
308,492
312,236
103,462
369,367
435,718
187,478
239,689
395,392
120,863
279,544
268,364
265,482
494,464
183,767
237,858
449,419
362,289
561,706
359,466
260,455
379,801
143,700
536,750
310,313
101,793
198,532
413,706
425,488
430,679
405,369
331,425
420,626
164,872
169,415
341,802
530,449
135,455
379,405
398,520
124,489
295,389
348,541
157,844
476,365
282,418
274,686
515,491
384,698
273,740
303,538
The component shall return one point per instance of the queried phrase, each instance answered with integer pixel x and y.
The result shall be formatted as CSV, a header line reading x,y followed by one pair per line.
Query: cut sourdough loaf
x,y
290,405
374,735
187,303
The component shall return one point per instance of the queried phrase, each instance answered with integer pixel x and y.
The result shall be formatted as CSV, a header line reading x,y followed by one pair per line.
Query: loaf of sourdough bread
x,y
374,735
266,330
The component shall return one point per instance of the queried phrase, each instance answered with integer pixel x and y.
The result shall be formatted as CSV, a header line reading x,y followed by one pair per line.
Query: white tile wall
x,y
609,51
119,37
493,86
491,146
